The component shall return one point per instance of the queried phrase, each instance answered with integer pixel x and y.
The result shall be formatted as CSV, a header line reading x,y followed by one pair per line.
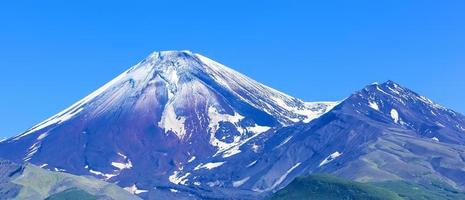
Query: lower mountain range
x,y
178,125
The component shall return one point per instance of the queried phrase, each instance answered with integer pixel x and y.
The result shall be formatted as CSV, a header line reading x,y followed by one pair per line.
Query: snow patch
x,y
251,164
42,136
121,166
373,105
431,103
59,170
215,117
174,190
191,159
330,158
279,180
233,148
35,147
122,155
284,142
316,109
435,139
395,115
177,179
240,182
171,122
258,129
134,190
32,151
209,166
310,110
232,151
107,176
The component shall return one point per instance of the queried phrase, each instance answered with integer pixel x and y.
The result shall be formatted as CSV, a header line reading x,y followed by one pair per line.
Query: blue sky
x,y
53,53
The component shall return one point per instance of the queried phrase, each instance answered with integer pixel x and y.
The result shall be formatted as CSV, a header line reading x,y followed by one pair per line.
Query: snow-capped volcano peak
x,y
182,77
181,94
170,110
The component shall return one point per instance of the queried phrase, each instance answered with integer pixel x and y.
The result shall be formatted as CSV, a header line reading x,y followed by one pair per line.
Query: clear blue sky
x,y
53,53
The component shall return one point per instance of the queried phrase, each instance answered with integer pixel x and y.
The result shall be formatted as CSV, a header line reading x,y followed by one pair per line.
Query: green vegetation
x,y
433,191
72,194
38,183
327,187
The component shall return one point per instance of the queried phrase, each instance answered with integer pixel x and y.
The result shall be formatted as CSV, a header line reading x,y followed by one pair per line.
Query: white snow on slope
x,y
74,109
31,151
258,129
107,176
121,166
122,155
177,179
191,159
267,99
431,103
178,73
373,105
172,122
395,115
317,109
59,170
279,180
251,164
174,190
330,158
209,166
284,142
232,151
134,190
241,182
215,117
35,147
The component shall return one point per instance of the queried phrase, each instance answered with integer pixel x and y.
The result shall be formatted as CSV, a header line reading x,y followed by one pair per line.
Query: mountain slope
x,y
405,137
170,112
31,182
383,132
326,187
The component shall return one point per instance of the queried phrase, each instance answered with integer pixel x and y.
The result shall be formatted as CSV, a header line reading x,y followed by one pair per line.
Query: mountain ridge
x,y
179,125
